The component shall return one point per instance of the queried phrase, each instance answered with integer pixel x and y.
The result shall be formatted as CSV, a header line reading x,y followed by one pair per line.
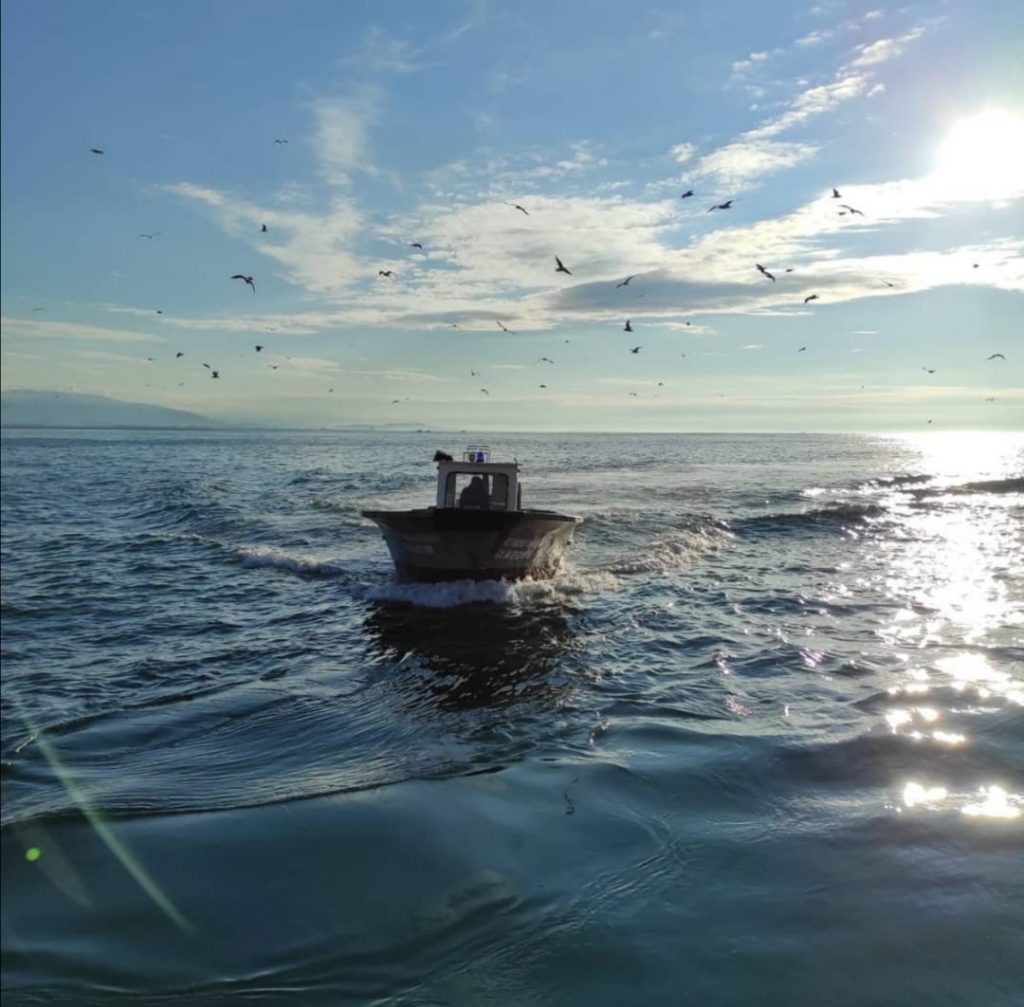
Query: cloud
x,y
814,101
682,152
384,53
884,49
340,143
736,163
813,38
33,329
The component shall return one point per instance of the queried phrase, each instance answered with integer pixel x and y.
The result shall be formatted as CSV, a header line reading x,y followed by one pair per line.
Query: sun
x,y
982,157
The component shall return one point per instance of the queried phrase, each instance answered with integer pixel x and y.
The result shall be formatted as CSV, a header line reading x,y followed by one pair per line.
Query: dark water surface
x,y
762,742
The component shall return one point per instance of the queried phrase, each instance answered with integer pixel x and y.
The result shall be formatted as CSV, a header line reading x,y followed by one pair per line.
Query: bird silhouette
x,y
764,272
96,150
633,394
474,374
263,229
178,354
636,349
542,386
836,194
628,326
486,392
259,349
625,282
810,297
687,194
207,366
543,360
159,312
214,374
930,370
385,272
503,328
996,356
851,209
151,236
280,141
521,209
415,244
727,205
559,268
246,279
802,349
273,367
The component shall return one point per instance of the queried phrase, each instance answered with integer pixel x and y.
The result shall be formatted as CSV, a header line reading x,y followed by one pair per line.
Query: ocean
x,y
760,742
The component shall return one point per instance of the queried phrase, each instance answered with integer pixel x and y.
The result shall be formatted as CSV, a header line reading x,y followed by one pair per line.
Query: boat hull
x,y
440,544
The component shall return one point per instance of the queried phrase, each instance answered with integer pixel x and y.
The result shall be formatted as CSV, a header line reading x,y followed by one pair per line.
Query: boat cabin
x,y
474,482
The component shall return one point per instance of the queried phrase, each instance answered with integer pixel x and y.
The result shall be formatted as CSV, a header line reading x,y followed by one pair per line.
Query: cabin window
x,y
490,492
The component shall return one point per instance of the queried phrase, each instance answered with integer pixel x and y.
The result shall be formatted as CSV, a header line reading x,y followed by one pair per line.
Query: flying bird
x,y
636,349
521,209
96,150
888,284
810,297
996,355
625,282
263,229
214,374
258,348
727,205
930,370
151,236
178,354
802,349
764,272
628,326
836,194
543,360
542,386
385,272
273,367
280,141
414,244
486,392
559,268
503,328
687,194
159,312
247,279
474,374
633,394
851,209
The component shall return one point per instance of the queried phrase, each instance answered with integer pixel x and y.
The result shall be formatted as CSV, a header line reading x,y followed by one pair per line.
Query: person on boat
x,y
475,494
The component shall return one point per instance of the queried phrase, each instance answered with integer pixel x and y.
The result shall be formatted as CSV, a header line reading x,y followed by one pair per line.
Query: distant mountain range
x,y
69,409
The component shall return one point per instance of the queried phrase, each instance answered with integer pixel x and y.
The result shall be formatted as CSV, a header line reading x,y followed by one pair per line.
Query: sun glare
x,y
982,156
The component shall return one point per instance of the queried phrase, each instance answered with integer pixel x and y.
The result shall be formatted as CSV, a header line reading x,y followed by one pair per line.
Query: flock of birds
x,y
844,209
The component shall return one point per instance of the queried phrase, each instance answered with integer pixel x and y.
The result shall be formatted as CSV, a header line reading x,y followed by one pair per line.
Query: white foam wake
x,y
307,565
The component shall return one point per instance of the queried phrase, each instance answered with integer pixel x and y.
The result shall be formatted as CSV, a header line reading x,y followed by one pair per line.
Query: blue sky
x,y
414,122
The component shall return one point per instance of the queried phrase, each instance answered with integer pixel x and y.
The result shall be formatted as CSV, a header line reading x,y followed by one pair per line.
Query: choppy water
x,y
762,742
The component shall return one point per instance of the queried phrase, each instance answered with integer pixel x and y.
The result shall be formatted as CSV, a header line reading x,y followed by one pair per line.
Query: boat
x,y
478,529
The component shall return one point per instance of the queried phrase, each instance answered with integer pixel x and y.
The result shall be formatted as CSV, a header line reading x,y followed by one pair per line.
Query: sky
x,y
427,124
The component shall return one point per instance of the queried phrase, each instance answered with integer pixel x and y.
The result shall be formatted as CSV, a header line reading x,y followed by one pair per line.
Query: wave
x,y
1014,485
837,515
258,556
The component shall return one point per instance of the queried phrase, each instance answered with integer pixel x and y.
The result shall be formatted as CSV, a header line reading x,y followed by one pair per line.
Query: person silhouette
x,y
475,494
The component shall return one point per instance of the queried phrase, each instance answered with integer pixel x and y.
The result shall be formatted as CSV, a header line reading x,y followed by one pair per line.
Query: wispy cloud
x,y
34,329
737,163
381,52
884,49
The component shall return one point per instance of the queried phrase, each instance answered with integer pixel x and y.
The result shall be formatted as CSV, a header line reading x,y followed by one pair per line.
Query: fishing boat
x,y
478,529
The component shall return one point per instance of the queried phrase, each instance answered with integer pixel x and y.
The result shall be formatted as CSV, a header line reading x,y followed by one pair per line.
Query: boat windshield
x,y
476,490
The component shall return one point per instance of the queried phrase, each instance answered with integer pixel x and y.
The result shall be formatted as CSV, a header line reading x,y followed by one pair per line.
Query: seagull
x,y
543,360
214,374
625,282
159,312
474,374
486,392
790,270
247,279
280,141
888,284
542,386
522,209
995,355
802,349
258,348
627,327
263,229
501,325
810,297
836,194
559,268
96,150
273,367
764,272
633,394
178,354
636,349
687,194
151,236
727,205
850,209
930,370
385,272
415,244
207,366
990,400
